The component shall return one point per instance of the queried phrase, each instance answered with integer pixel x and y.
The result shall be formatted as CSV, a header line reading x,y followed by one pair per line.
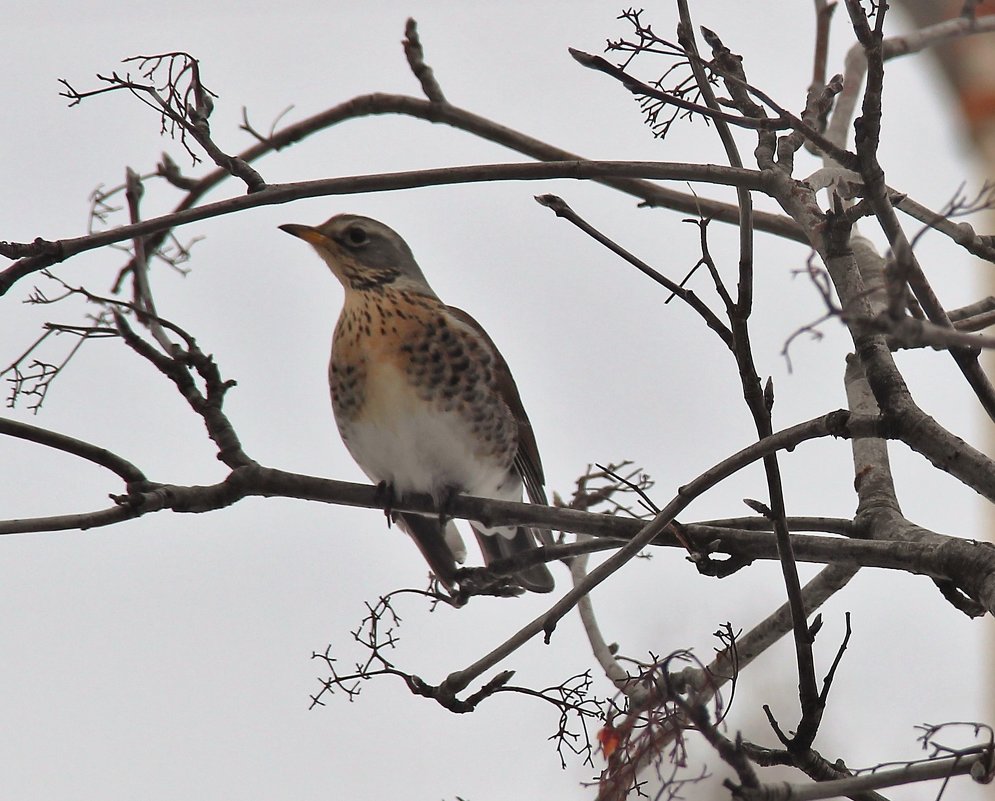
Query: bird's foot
x,y
481,581
386,496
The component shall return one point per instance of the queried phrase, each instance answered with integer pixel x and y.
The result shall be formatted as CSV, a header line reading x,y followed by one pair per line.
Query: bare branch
x,y
637,87
41,253
128,473
183,102
894,47
416,60
561,209
964,763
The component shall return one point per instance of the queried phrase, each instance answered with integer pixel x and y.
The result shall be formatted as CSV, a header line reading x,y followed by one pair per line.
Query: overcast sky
x,y
170,657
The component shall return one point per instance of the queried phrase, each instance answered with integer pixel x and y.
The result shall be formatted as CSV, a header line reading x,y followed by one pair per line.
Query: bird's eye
x,y
356,235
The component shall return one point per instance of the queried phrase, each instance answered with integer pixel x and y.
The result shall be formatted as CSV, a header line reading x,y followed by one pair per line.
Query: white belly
x,y
416,446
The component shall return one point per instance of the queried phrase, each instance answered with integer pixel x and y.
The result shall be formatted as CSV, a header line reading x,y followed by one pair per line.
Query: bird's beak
x,y
308,233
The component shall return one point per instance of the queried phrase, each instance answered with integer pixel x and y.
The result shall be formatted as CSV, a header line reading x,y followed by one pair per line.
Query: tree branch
x,y
41,253
124,469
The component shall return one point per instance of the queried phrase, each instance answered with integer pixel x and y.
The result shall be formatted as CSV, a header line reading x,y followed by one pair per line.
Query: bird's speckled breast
x,y
415,397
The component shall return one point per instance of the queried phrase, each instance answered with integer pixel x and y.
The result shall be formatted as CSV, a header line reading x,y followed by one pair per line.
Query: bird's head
x,y
363,253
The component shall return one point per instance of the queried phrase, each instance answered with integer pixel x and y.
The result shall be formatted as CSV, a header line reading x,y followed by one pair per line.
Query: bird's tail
x,y
535,578
442,547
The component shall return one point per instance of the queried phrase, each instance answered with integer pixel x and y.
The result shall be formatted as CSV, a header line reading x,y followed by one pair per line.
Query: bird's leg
x,y
473,580
445,503
386,495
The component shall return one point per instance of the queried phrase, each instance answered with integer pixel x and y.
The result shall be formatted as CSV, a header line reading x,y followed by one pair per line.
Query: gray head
x,y
363,253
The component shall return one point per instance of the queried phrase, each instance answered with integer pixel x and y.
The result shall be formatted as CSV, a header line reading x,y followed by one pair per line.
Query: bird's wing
x,y
527,458
536,578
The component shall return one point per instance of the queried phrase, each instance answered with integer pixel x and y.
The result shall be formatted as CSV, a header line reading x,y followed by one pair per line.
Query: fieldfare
x,y
422,398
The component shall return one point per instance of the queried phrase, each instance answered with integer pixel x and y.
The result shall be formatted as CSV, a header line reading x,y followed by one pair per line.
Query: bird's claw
x,y
481,581
386,495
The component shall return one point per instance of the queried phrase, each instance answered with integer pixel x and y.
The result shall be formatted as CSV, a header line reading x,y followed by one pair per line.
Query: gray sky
x,y
169,657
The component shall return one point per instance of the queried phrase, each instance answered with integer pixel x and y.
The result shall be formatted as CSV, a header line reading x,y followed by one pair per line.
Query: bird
x,y
423,399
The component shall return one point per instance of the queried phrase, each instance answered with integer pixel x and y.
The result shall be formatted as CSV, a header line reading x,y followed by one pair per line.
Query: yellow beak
x,y
308,233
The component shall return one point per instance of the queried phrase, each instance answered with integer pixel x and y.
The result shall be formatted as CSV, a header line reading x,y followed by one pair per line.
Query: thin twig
x,y
416,61
561,209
